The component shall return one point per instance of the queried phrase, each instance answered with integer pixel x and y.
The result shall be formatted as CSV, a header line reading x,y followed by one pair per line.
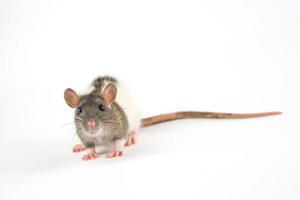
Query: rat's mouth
x,y
93,132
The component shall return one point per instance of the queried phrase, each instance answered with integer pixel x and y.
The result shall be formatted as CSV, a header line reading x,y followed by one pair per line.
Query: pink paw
x,y
131,141
115,154
90,156
78,148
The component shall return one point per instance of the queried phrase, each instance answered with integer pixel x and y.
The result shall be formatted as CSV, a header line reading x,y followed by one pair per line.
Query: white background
x,y
227,56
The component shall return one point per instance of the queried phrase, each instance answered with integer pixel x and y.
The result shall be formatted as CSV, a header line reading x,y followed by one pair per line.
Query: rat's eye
x,y
102,108
79,110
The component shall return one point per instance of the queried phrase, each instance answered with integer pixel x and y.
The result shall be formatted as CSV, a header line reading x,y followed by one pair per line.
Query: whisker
x,y
66,124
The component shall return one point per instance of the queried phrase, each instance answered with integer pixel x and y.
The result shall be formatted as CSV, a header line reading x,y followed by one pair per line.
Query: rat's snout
x,y
91,124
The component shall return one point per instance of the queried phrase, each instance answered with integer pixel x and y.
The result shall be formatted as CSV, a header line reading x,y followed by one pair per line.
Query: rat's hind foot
x,y
114,154
90,156
130,141
78,148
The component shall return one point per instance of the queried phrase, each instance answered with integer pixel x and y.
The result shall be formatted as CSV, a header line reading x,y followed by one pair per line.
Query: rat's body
x,y
111,129
107,119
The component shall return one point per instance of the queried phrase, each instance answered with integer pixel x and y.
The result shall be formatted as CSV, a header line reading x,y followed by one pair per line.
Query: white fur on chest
x,y
100,137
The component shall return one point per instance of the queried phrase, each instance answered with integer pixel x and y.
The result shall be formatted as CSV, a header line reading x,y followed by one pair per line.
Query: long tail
x,y
204,115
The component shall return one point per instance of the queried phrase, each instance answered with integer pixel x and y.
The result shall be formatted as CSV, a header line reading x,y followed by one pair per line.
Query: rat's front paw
x,y
78,148
90,156
114,154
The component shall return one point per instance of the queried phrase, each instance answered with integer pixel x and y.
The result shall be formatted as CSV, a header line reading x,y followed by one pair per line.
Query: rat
x,y
107,119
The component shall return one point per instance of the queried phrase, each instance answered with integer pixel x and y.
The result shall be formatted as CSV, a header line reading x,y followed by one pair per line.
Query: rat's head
x,y
93,111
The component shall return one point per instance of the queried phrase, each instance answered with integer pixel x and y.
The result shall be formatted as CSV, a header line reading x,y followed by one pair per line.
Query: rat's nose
x,y
91,123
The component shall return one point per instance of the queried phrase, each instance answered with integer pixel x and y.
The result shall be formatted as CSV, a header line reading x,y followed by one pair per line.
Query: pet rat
x,y
107,119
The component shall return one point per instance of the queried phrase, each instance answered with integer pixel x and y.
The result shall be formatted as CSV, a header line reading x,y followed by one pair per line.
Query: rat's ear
x,y
109,94
71,98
